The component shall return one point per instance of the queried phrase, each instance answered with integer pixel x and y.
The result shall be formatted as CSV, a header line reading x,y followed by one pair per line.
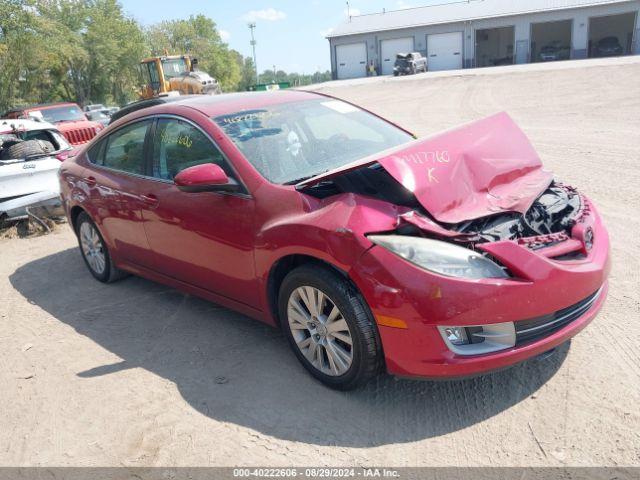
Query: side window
x,y
125,148
153,75
178,145
96,152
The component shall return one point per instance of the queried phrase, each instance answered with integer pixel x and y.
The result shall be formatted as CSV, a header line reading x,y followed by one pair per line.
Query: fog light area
x,y
478,339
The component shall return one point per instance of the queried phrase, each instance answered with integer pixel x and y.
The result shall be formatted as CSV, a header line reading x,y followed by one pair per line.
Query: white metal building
x,y
480,33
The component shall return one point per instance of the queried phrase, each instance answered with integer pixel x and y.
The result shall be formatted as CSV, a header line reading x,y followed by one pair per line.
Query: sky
x,y
290,34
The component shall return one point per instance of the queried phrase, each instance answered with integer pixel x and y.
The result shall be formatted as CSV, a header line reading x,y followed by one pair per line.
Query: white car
x,y
30,156
93,107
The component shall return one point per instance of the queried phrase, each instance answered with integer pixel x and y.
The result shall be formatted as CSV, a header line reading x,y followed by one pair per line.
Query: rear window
x,y
290,142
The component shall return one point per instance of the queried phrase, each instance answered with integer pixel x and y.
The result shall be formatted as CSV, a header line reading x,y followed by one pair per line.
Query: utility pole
x,y
275,77
252,25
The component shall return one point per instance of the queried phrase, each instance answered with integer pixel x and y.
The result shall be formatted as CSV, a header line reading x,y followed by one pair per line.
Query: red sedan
x,y
441,257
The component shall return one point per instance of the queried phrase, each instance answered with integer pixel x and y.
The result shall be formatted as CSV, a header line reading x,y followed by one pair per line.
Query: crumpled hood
x,y
479,169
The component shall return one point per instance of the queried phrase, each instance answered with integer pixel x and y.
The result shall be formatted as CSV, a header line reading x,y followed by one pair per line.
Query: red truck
x,y
68,118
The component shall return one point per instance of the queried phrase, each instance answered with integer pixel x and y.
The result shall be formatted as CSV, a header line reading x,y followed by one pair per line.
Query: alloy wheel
x,y
92,248
320,331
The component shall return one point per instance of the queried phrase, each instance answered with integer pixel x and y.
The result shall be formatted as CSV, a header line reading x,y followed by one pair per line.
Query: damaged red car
x,y
441,257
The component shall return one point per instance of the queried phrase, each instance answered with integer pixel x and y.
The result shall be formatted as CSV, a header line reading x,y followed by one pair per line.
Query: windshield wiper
x,y
302,179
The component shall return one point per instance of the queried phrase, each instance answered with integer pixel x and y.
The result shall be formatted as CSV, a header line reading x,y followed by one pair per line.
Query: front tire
x,y
329,327
95,252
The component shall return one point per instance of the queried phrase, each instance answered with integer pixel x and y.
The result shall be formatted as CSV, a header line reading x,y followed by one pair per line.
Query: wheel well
x,y
75,212
280,270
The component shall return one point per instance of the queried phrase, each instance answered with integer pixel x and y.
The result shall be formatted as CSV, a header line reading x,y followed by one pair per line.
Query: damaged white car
x,y
30,157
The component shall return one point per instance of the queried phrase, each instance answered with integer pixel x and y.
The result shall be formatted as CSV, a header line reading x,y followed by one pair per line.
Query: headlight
x,y
440,257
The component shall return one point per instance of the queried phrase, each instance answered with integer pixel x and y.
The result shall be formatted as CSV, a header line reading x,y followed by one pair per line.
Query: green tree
x,y
89,50
96,49
23,57
247,73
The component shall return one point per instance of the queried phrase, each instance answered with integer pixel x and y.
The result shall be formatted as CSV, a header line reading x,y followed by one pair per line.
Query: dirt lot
x,y
136,374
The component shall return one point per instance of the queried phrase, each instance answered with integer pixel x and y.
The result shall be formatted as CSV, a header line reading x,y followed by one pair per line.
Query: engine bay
x,y
552,212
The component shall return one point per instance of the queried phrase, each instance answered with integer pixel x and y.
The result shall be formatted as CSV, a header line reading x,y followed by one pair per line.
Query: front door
x,y
205,239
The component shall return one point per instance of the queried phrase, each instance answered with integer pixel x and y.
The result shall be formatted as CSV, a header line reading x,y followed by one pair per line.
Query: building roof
x,y
455,11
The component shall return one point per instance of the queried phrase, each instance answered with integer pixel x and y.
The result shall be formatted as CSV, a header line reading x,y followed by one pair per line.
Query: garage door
x,y
351,60
390,48
444,51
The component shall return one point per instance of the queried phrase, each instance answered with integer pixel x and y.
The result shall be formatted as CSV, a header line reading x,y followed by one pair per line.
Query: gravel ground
x,y
137,374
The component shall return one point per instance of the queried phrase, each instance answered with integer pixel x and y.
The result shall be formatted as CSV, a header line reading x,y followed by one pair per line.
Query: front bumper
x,y
409,303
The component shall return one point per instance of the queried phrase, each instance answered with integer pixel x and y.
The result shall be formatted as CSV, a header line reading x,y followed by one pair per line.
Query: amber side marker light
x,y
391,322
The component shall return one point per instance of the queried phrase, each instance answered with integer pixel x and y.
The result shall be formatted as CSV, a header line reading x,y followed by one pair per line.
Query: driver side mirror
x,y
207,177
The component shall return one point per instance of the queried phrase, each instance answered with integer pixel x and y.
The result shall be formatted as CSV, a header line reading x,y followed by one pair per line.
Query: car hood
x,y
480,169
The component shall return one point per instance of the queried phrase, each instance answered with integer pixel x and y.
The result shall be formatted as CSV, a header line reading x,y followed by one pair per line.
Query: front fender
x,y
334,233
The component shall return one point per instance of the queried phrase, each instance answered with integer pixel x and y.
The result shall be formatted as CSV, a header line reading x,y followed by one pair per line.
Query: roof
x,y
215,105
212,105
455,11
8,125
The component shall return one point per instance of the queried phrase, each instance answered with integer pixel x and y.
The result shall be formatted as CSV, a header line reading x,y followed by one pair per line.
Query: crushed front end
x,y
490,262
555,260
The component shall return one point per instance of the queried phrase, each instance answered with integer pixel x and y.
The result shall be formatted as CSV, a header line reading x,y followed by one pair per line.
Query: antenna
x,y
252,26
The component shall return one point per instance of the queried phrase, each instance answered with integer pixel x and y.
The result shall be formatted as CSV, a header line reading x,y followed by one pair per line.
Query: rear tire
x,y
336,340
28,148
95,252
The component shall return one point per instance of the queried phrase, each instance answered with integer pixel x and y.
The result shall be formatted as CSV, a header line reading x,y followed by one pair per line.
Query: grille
x,y
80,135
540,327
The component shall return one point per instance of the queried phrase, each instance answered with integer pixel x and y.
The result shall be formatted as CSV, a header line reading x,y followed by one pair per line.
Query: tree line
x,y
87,51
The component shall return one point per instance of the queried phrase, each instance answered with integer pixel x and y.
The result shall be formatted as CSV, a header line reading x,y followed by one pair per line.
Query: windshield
x,y
66,113
290,142
174,67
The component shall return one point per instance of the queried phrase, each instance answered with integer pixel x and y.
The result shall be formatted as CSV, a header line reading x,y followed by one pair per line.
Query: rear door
x,y
117,166
205,239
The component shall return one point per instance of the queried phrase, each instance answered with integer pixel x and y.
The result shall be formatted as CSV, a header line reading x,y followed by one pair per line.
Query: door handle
x,y
91,181
150,200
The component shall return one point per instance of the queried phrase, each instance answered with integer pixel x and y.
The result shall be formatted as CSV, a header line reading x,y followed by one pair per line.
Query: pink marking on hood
x,y
476,170
479,169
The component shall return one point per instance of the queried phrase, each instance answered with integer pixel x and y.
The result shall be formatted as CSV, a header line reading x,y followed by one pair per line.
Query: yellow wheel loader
x,y
174,73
